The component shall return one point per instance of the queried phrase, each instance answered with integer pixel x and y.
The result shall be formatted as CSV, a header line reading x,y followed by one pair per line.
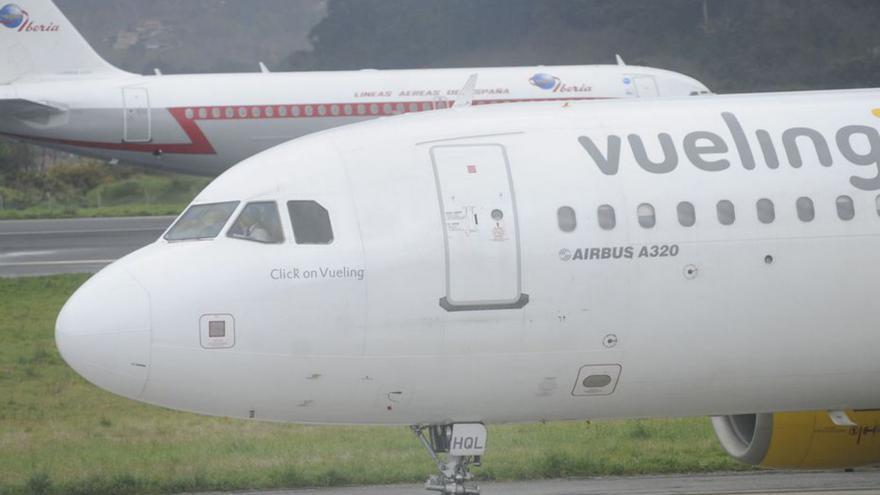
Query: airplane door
x,y
136,124
479,218
646,86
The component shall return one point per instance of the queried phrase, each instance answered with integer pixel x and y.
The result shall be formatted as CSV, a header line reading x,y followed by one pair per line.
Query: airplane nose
x,y
103,332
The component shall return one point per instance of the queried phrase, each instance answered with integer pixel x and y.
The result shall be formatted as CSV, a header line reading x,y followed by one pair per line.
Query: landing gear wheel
x,y
463,444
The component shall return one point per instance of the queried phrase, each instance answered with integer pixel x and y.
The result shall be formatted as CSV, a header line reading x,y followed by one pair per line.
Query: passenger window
x,y
311,222
687,216
201,222
726,213
845,208
567,219
258,222
607,218
805,209
766,211
647,219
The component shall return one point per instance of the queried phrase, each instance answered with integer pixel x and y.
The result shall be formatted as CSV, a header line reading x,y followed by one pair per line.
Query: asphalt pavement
x,y
861,482
79,245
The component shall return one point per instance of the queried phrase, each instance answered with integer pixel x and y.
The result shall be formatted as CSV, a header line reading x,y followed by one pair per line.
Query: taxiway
x,y
80,245
860,482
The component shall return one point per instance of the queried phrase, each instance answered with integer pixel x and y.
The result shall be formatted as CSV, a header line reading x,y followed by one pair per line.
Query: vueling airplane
x,y
56,91
525,262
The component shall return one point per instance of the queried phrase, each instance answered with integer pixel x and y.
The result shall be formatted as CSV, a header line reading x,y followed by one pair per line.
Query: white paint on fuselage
x,y
94,122
742,336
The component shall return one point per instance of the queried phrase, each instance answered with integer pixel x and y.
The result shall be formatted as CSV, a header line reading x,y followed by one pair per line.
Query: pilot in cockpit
x,y
258,222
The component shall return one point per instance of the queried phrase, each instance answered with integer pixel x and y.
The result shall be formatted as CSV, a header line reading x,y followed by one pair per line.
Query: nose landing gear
x,y
463,444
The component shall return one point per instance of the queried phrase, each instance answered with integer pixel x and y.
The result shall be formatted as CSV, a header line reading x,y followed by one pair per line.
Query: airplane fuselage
x,y
203,124
507,264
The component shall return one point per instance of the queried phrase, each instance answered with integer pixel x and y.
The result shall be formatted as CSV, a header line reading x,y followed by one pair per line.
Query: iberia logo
x,y
545,81
14,17
552,83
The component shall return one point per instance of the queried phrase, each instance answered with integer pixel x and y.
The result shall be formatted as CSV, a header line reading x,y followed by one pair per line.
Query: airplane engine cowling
x,y
801,440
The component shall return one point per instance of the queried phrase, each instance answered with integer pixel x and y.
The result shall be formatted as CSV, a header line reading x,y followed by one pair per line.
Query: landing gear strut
x,y
463,444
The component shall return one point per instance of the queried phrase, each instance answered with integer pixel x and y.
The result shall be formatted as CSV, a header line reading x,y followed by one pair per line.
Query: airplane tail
x,y
38,42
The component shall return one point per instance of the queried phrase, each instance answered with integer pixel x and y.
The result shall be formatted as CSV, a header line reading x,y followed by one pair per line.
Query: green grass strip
x,y
61,435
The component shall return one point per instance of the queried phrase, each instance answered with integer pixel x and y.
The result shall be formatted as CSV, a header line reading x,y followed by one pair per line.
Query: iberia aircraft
x,y
524,262
57,92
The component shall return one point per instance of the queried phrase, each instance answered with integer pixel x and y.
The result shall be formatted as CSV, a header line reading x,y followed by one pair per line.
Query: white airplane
x,y
55,91
521,263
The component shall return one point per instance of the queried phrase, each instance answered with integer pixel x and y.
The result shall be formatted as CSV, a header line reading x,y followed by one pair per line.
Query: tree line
x,y
734,46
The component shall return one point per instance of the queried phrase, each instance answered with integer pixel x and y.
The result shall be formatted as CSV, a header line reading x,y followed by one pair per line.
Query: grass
x,y
61,435
89,189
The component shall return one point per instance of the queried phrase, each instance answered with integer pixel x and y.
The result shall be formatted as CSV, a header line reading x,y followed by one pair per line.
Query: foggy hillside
x,y
742,45
185,36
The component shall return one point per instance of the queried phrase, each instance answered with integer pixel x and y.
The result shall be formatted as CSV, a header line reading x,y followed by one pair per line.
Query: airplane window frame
x,y
606,217
725,210
845,215
213,230
644,217
682,210
765,215
809,207
566,219
324,219
276,231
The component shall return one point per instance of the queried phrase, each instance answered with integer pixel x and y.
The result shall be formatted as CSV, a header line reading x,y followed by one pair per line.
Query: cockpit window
x,y
258,222
201,221
311,222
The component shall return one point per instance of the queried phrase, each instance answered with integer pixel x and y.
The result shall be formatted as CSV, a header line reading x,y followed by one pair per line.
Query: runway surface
x,y
81,245
838,483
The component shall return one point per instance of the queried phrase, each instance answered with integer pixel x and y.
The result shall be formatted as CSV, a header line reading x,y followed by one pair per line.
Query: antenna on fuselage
x,y
620,61
465,97
264,69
